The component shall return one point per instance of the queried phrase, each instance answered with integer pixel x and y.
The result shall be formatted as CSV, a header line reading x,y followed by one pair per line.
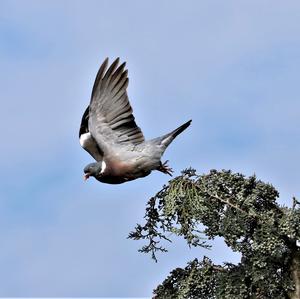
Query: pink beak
x,y
86,176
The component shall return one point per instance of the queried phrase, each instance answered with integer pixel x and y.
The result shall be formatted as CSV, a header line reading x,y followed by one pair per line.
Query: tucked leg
x,y
164,168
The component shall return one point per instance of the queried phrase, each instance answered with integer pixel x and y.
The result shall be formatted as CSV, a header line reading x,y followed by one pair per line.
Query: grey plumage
x,y
110,134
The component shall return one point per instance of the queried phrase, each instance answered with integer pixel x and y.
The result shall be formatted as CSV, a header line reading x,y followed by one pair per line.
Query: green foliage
x,y
241,210
197,280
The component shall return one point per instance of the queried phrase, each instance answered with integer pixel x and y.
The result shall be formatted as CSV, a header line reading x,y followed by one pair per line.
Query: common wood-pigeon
x,y
109,133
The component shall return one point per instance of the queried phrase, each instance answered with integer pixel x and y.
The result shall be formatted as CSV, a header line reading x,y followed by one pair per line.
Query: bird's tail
x,y
168,138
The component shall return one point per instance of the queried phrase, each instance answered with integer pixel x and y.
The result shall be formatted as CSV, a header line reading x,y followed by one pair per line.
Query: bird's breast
x,y
117,168
127,170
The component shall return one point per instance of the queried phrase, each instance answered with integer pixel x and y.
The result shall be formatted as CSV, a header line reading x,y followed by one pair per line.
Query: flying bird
x,y
109,133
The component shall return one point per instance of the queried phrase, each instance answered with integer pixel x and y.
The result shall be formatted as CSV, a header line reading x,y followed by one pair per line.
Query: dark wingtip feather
x,y
84,122
104,65
99,75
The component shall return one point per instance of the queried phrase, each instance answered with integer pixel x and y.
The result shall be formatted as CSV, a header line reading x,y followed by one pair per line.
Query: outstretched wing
x,y
111,122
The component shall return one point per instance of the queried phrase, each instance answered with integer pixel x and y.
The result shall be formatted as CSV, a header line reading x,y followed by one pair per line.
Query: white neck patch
x,y
103,166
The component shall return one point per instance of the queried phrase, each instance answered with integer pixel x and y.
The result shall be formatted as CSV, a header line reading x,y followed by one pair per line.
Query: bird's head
x,y
92,169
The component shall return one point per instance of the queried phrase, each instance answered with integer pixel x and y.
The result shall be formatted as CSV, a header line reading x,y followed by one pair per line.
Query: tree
x,y
245,213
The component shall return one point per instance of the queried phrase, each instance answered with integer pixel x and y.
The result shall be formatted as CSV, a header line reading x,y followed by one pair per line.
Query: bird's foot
x,y
164,168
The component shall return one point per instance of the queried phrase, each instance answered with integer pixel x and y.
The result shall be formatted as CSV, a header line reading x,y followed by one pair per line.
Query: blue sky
x,y
231,66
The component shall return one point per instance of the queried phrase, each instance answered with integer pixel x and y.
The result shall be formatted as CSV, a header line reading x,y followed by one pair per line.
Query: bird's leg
x,y
163,167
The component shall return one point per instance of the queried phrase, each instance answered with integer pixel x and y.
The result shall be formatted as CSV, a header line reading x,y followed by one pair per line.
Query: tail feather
x,y
180,129
168,138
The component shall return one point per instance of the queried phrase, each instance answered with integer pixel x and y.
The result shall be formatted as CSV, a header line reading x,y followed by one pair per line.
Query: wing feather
x,y
99,77
111,121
